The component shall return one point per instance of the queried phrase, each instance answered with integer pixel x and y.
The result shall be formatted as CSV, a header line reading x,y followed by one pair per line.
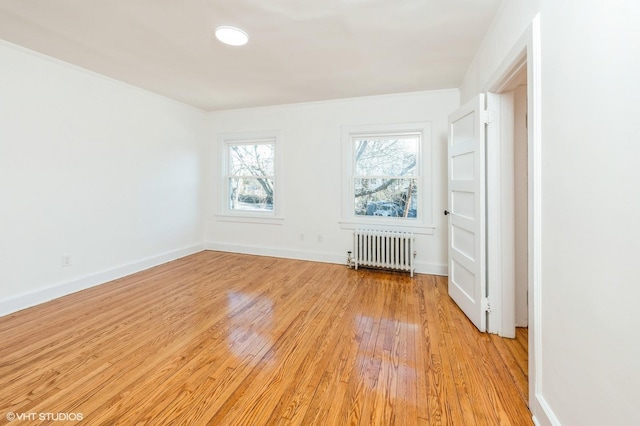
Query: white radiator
x,y
383,249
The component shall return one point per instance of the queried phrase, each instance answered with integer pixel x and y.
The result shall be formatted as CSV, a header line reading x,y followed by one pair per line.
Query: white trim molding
x,y
528,48
226,214
270,220
377,224
543,414
423,223
312,256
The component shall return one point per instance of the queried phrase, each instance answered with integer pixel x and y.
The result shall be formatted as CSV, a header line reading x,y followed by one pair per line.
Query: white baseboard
x,y
543,414
278,252
313,256
36,297
432,269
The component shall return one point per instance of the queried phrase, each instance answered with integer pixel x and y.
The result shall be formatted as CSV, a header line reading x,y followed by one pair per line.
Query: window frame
x,y
225,212
422,223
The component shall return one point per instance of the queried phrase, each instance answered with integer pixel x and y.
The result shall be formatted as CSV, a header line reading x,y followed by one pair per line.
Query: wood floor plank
x,y
231,339
310,372
510,351
445,407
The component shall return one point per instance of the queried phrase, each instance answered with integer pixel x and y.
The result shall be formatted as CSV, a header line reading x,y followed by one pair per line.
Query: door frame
x,y
526,52
500,213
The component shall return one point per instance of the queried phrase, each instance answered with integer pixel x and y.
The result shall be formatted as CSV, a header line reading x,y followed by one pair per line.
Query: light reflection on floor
x,y
395,357
250,324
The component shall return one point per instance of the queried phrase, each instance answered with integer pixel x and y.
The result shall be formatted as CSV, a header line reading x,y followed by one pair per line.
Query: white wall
x,y
312,175
591,235
512,18
589,372
94,168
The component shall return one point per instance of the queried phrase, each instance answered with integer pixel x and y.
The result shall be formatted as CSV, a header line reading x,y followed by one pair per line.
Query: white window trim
x,y
225,214
423,223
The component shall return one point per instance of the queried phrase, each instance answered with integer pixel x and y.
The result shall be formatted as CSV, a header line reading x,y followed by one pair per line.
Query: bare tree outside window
x,y
251,175
385,175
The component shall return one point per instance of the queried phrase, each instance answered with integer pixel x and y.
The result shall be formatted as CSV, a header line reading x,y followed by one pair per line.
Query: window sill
x,y
266,220
386,226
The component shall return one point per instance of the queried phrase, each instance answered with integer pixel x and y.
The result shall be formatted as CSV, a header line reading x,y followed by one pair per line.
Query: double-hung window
x,y
385,176
250,178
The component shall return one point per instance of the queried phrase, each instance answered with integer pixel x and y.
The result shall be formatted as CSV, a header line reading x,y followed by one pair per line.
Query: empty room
x,y
344,212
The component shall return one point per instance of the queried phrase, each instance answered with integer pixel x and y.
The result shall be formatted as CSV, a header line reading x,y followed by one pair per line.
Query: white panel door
x,y
467,257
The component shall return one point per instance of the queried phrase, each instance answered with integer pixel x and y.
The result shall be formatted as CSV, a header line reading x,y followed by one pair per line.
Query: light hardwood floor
x,y
229,339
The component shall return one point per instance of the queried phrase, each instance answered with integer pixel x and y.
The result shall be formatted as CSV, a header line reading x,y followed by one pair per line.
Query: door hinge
x,y
486,304
489,116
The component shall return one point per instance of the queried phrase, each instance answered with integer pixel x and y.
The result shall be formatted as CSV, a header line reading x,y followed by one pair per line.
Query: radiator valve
x,y
349,260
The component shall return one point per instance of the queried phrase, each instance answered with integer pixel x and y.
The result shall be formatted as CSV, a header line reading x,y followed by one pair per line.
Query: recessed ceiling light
x,y
232,36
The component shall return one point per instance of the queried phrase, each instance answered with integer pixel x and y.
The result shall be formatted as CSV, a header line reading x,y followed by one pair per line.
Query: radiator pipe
x,y
349,260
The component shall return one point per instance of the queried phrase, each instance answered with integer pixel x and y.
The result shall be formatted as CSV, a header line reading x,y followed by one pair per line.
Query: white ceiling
x,y
299,50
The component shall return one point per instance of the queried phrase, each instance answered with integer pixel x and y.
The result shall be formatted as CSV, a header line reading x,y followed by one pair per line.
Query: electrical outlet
x,y
66,260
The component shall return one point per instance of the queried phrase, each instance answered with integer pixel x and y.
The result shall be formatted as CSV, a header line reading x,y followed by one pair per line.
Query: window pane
x,y
255,194
251,160
386,197
386,155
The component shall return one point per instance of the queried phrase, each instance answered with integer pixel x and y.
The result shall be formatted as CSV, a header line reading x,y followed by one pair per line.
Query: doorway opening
x,y
507,165
501,193
508,203
514,243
